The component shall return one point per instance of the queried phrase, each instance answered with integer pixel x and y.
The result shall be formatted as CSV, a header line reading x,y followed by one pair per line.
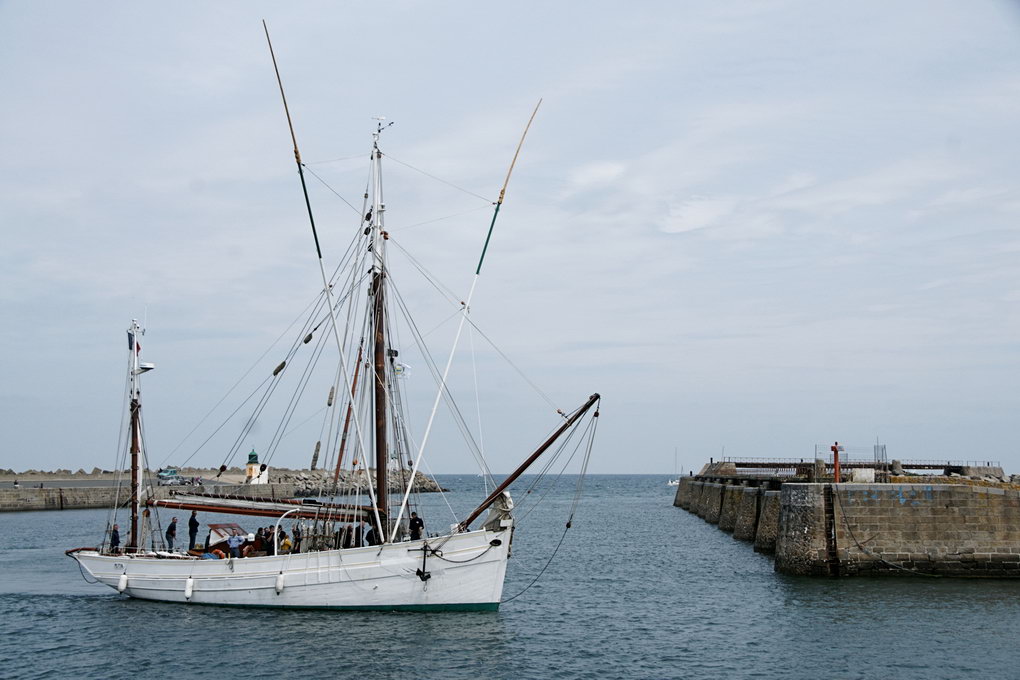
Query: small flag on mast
x,y
132,344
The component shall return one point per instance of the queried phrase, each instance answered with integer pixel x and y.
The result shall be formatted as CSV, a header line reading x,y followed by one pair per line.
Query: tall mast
x,y
136,406
326,287
379,323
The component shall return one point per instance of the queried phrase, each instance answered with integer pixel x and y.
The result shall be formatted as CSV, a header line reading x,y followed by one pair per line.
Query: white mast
x,y
135,370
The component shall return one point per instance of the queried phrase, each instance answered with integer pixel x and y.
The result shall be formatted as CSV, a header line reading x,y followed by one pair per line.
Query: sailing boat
x,y
358,552
676,470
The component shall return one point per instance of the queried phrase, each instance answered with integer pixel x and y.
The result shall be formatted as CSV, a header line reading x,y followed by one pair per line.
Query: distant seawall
x,y
78,498
851,529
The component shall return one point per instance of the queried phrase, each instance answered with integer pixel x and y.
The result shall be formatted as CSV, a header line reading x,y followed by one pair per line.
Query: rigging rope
x,y
335,192
440,179
334,160
405,227
570,518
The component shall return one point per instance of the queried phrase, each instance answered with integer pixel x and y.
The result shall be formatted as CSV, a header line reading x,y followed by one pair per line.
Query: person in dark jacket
x,y
171,534
259,545
416,525
192,529
115,539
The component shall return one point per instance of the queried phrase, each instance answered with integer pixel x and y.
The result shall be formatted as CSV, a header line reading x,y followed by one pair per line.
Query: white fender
x,y
279,583
189,588
122,583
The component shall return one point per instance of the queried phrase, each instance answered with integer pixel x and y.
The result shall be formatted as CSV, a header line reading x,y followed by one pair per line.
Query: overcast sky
x,y
759,226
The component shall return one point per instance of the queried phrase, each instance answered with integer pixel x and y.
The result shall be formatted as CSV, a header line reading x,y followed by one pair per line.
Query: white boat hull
x,y
466,575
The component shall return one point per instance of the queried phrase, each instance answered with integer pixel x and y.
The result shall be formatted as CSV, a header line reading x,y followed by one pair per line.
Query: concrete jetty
x,y
941,526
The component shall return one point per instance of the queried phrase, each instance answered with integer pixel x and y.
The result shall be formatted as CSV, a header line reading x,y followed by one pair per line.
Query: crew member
x,y
192,529
417,525
171,534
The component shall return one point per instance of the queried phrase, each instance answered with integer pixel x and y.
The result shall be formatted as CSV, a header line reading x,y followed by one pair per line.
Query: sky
x,y
752,227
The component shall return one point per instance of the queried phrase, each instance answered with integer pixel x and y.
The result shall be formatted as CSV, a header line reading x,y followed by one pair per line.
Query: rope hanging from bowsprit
x,y
579,489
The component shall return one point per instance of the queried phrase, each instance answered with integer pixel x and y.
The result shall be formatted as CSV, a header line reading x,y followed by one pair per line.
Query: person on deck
x,y
192,529
115,539
416,525
259,543
285,543
234,543
367,534
297,538
171,534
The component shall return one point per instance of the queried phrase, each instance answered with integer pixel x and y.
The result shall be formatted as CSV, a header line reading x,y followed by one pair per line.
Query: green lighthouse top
x,y
253,457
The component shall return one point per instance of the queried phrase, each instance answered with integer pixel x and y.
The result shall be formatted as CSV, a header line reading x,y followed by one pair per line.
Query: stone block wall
x,y
746,524
731,496
694,500
945,529
800,546
768,523
684,492
711,503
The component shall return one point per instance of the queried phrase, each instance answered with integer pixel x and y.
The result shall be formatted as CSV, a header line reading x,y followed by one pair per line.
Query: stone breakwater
x,y
291,485
79,498
858,529
321,483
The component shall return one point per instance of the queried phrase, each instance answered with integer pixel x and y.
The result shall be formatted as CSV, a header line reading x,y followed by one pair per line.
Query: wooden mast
x,y
379,340
379,361
132,545
136,369
326,287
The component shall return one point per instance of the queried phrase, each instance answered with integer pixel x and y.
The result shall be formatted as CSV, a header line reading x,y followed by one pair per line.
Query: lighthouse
x,y
256,474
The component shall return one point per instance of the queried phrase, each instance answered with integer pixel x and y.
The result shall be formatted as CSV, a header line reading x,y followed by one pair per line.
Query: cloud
x,y
737,221
697,212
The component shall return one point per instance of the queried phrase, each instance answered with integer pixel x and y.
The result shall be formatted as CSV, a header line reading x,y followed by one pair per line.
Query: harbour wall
x,y
866,529
78,498
940,529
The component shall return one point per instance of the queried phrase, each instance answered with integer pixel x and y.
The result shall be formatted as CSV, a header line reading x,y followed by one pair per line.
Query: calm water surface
x,y
639,589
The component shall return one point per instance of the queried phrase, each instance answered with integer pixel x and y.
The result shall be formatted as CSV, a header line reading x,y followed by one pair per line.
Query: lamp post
x,y
836,448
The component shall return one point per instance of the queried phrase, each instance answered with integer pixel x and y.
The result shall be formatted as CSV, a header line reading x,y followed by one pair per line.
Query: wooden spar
x,y
313,511
135,449
379,361
293,138
527,463
280,501
502,191
347,418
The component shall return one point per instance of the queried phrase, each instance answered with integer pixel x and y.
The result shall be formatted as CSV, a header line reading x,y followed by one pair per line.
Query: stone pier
x,y
942,529
879,528
83,497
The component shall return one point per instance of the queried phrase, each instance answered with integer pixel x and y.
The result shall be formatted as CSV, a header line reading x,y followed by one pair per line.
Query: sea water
x,y
638,589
